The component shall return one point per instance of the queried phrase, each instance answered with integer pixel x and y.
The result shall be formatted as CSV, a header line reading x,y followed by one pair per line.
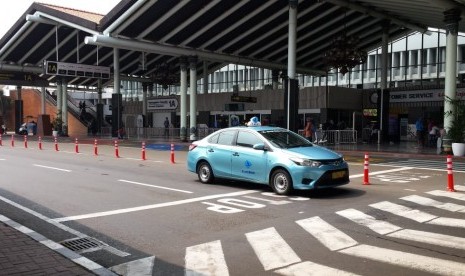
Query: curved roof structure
x,y
247,32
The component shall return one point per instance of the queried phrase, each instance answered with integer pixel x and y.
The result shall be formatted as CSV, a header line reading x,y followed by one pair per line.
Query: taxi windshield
x,y
285,139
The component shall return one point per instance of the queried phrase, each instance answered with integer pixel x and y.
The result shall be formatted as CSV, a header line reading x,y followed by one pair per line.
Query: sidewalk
x,y
25,252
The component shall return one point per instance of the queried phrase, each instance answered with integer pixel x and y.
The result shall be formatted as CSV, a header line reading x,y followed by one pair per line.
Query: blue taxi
x,y
268,155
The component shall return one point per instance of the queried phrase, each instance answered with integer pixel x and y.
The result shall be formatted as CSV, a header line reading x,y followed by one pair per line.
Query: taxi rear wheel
x,y
281,182
205,173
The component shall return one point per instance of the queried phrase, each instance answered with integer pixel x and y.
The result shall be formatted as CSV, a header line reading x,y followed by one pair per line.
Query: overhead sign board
x,y
76,70
243,99
22,79
162,104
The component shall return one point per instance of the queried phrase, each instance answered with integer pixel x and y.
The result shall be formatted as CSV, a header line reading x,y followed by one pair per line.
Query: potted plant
x,y
456,130
56,125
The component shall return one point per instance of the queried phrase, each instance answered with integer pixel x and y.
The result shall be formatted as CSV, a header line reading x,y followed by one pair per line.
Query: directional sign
x,y
76,70
22,79
162,104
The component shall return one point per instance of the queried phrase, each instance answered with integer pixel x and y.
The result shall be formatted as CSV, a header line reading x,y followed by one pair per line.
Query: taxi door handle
x,y
236,154
211,150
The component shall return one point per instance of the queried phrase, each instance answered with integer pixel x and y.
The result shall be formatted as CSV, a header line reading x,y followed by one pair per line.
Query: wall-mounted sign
x,y
76,70
421,95
244,99
162,104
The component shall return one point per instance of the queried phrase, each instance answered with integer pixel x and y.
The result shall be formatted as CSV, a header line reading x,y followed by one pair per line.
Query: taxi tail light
x,y
192,146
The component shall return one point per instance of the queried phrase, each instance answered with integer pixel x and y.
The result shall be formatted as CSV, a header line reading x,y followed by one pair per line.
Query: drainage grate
x,y
81,245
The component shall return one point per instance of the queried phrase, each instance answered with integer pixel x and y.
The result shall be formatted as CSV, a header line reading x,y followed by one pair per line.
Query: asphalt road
x,y
152,217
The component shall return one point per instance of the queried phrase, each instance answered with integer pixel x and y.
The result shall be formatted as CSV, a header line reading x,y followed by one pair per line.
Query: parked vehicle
x,y
23,129
275,156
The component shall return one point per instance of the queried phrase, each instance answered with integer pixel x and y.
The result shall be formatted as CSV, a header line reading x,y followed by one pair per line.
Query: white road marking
x,y
271,249
408,260
56,224
153,206
411,190
142,267
458,196
460,188
154,186
430,238
418,215
312,269
425,201
403,211
327,234
1,159
379,226
393,257
383,228
416,168
451,222
381,172
52,168
206,259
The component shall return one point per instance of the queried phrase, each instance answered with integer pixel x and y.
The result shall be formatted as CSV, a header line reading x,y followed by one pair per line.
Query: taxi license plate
x,y
338,174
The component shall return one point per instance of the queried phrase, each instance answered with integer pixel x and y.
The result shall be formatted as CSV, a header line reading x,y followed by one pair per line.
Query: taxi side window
x,y
226,137
214,139
247,139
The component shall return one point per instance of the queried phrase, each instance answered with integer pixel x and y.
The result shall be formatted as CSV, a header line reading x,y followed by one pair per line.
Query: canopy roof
x,y
247,32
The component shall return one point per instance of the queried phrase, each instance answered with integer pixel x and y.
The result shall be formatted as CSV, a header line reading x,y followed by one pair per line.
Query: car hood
x,y
314,153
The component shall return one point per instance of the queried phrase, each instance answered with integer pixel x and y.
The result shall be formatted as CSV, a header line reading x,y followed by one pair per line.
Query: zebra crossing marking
x,y
424,164
378,226
391,230
309,269
142,267
403,211
425,201
394,257
276,255
205,259
407,260
327,234
271,249
457,196
417,215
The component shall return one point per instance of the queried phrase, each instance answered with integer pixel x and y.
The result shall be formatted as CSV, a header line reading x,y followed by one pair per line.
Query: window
x,y
226,137
214,139
247,139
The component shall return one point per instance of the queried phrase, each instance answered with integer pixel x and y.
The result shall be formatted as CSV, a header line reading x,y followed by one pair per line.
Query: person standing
x,y
308,130
167,127
419,125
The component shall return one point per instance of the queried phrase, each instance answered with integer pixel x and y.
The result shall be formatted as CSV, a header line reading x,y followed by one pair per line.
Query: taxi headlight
x,y
306,162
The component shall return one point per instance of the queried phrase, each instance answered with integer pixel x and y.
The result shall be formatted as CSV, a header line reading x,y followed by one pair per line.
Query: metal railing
x,y
154,132
347,136
321,136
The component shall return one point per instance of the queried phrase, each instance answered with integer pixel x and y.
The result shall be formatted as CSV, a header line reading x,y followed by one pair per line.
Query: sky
x,y
11,12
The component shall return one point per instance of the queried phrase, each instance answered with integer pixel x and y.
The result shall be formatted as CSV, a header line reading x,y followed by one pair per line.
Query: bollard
x,y
25,141
450,176
365,170
143,151
76,147
12,140
116,149
1,143
56,144
40,143
95,147
172,154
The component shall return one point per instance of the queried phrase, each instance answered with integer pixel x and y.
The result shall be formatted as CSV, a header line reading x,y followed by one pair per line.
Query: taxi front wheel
x,y
281,182
205,173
